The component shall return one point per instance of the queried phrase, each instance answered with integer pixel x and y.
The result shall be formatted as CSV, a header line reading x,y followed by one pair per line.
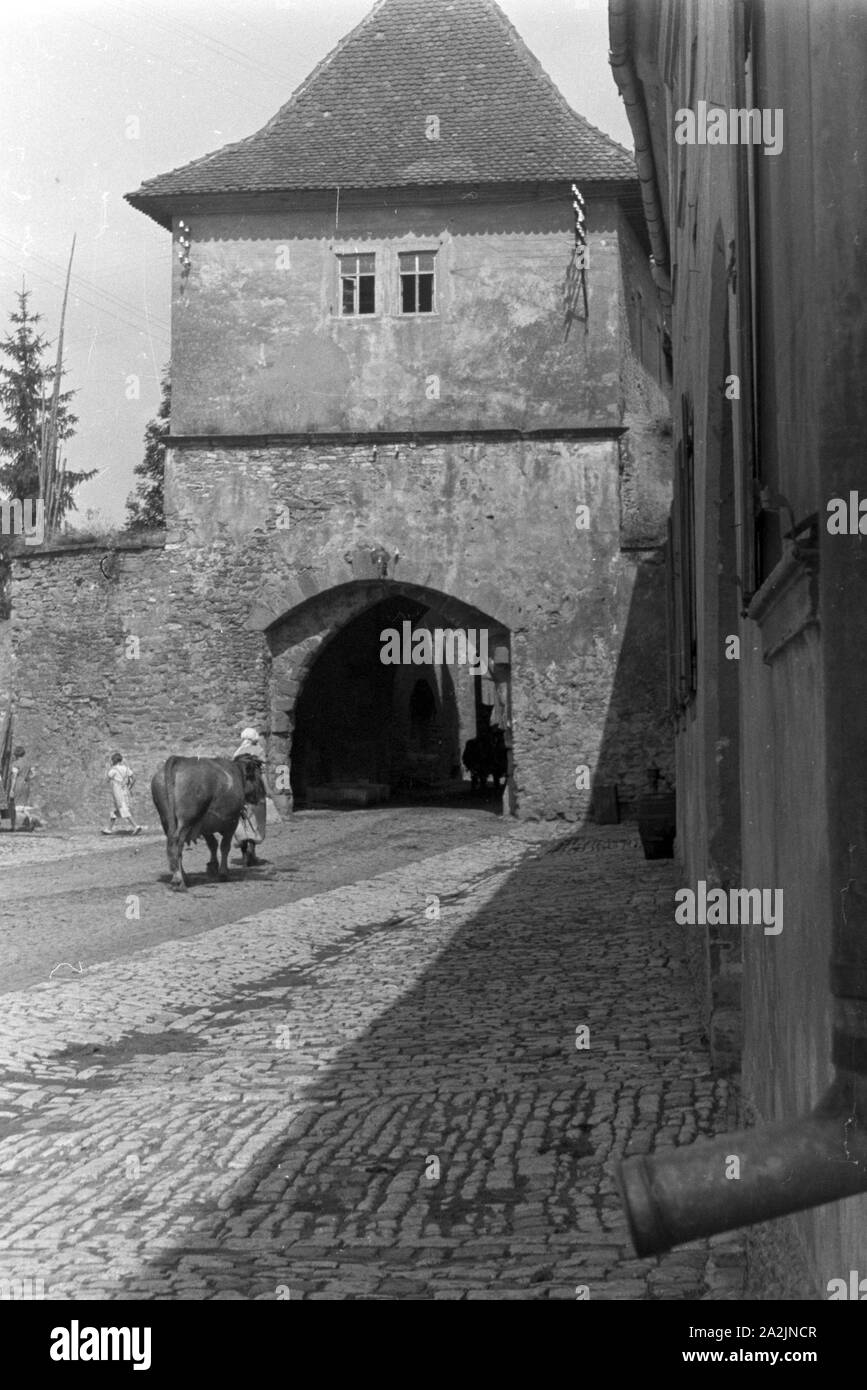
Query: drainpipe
x,y
682,1194
620,58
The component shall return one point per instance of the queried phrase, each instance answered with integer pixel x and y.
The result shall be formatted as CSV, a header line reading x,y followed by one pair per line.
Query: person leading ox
x,y
253,822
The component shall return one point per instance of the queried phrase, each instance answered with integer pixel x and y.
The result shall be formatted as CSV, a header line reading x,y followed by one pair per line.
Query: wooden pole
x,y
48,470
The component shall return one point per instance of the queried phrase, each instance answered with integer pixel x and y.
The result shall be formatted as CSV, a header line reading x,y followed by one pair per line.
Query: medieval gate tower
x,y
416,379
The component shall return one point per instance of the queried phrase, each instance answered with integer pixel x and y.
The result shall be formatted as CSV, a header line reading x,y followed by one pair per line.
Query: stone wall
x,y
270,551
78,694
5,667
487,524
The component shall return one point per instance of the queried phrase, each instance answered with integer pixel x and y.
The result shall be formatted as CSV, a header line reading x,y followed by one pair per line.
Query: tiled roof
x,y
360,119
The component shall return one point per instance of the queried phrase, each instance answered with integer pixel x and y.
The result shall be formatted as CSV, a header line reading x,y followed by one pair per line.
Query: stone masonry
x,y
172,651
348,1097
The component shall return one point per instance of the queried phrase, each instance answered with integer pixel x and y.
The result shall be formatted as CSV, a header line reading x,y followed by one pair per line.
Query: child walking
x,y
121,779
19,785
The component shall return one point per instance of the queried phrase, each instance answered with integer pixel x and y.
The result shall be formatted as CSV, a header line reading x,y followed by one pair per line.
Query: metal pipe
x,y
681,1194
623,69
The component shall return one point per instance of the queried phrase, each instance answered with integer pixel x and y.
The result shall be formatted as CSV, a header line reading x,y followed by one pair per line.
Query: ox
x,y
487,756
204,796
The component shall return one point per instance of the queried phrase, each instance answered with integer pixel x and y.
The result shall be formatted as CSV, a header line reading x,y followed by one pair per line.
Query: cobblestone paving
x,y
352,1096
78,909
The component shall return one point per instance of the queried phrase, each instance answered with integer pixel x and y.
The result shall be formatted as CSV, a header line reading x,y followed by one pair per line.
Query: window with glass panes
x,y
417,282
357,284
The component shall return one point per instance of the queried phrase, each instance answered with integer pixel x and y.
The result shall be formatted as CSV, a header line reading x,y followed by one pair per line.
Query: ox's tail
x,y
171,809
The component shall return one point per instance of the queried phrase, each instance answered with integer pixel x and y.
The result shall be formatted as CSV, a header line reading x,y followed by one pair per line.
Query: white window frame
x,y
346,253
417,251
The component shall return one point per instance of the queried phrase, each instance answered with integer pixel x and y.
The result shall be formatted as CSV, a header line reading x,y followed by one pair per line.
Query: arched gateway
x,y
396,362
377,685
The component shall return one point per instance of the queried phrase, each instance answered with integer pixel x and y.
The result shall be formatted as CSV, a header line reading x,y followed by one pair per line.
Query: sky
x,y
96,97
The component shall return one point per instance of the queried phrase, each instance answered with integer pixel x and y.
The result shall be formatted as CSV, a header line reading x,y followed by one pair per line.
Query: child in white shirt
x,y
120,779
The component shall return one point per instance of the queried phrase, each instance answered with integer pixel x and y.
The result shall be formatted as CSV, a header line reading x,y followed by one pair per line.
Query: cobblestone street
x,y
373,1091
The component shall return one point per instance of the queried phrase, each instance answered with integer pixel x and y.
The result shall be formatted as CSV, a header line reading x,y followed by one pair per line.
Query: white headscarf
x,y
250,746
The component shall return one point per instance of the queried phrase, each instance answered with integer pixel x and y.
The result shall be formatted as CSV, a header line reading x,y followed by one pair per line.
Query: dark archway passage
x,y
365,729
345,725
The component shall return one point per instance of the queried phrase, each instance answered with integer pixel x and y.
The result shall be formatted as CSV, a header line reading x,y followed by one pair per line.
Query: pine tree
x,y
145,509
26,386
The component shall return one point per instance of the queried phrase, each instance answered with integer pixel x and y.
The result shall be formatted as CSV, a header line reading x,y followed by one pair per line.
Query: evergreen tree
x,y
26,387
145,510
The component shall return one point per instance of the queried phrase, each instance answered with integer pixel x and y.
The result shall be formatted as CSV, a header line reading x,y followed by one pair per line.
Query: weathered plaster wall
x,y
259,347
784,807
787,1004
646,452
812,419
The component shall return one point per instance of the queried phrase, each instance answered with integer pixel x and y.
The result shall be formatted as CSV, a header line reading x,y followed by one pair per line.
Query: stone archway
x,y
353,728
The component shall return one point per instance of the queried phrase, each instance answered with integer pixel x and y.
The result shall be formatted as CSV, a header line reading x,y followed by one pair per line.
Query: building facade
x,y
747,119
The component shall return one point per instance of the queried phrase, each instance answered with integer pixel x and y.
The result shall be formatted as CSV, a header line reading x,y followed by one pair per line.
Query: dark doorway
x,y
423,717
366,730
